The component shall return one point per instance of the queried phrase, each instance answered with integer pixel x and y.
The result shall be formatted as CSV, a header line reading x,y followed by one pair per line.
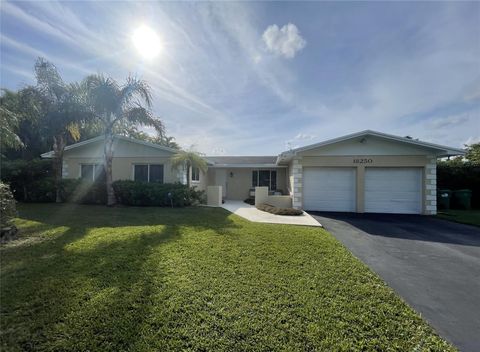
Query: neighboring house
x,y
362,172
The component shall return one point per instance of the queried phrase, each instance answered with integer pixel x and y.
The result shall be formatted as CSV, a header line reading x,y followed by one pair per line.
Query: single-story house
x,y
362,172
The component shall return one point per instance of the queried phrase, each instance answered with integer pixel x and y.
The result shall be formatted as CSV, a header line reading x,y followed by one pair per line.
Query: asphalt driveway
x,y
433,264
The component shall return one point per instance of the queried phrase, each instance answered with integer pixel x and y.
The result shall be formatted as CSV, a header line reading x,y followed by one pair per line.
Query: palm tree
x,y
9,120
190,160
168,141
115,105
63,107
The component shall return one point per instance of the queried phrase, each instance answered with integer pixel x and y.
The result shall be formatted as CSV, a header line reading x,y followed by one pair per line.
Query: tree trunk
x,y
108,154
58,148
188,175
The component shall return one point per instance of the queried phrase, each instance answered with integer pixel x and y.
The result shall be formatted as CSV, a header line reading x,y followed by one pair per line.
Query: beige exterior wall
x,y
122,168
367,146
290,179
201,184
126,154
426,162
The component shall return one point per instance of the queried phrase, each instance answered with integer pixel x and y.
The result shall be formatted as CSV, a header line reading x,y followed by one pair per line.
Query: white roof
x,y
441,150
100,138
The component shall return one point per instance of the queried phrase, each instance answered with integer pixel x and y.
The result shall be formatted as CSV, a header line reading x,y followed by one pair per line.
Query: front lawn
x,y
471,217
195,279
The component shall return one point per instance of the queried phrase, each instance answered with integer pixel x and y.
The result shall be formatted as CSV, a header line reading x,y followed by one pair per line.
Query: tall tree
x,y
189,159
473,153
22,114
65,106
9,120
160,139
114,105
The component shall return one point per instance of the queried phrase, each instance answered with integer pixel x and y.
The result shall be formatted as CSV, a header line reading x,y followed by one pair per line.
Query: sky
x,y
258,78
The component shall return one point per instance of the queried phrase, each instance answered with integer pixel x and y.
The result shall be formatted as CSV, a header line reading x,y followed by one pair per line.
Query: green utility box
x,y
443,198
462,198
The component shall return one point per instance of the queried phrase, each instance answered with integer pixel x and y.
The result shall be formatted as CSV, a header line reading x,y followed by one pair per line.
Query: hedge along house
x,y
362,172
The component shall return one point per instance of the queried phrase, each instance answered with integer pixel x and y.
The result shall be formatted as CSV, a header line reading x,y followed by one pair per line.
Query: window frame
x,y
197,179
257,171
148,172
94,170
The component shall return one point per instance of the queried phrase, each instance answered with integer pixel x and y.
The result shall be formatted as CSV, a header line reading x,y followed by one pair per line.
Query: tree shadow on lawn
x,y
88,286
101,216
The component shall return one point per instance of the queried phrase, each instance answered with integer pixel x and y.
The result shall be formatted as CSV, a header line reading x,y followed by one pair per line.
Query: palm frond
x,y
136,88
189,158
103,94
140,115
74,130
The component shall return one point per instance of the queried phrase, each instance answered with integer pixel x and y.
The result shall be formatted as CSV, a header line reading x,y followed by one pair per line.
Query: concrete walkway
x,y
251,213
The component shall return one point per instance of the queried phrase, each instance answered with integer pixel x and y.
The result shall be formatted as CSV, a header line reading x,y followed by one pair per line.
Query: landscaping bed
x,y
94,278
279,211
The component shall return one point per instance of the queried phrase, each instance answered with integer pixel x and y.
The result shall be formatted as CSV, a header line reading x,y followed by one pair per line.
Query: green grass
x,y
471,217
196,279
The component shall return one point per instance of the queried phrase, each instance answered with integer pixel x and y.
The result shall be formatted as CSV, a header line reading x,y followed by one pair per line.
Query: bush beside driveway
x,y
195,279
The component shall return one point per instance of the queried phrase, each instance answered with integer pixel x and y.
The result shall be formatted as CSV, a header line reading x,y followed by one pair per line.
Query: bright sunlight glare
x,y
146,42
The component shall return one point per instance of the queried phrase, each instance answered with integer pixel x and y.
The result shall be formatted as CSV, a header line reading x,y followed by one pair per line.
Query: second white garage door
x,y
329,189
393,190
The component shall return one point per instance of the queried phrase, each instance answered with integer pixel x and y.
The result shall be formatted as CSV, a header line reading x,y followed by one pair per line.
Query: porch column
x,y
297,183
430,186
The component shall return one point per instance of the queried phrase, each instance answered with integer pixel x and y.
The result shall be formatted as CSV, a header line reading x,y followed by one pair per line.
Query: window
x,y
141,173
268,178
91,172
195,174
156,173
148,173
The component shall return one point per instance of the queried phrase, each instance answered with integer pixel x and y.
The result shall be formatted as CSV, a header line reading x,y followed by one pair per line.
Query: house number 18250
x,y
362,161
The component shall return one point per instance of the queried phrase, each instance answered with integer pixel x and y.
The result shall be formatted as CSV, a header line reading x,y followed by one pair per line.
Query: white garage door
x,y
329,189
393,190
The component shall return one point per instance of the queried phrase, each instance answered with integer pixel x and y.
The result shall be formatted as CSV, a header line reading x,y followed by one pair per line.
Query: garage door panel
x,y
329,189
393,190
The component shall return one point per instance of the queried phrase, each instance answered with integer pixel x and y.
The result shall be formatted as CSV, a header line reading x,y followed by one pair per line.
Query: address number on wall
x,y
362,161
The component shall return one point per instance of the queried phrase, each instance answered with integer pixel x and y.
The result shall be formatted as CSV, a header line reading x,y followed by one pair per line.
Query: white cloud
x,y
472,140
473,96
285,41
296,141
304,136
454,120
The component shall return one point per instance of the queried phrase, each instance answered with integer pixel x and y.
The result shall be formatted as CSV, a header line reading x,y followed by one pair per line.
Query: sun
x,y
147,42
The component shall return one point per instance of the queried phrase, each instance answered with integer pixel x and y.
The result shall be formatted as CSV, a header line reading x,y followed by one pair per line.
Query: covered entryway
x,y
393,190
329,189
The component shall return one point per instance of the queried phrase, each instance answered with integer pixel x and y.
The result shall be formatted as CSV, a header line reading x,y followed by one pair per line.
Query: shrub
x,y
279,211
156,194
25,176
83,192
7,205
460,176
250,201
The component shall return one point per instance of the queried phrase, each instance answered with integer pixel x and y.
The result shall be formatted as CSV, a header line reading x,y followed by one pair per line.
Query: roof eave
x,y
99,138
232,166
432,146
